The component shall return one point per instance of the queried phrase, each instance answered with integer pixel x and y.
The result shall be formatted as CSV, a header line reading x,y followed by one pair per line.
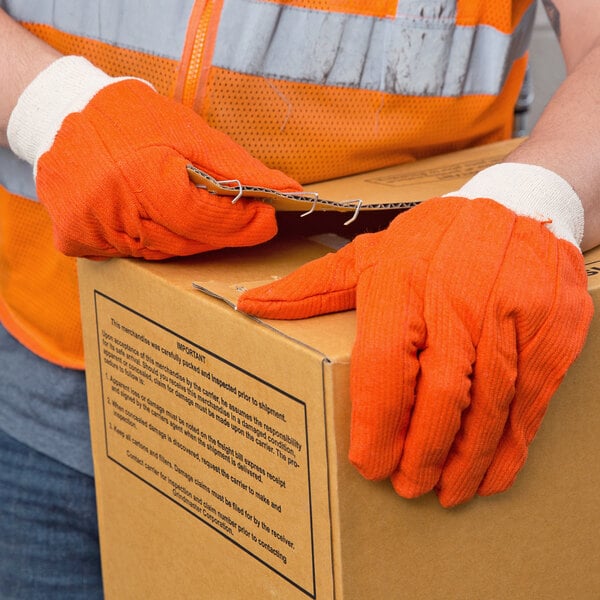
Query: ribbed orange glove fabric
x,y
115,180
468,317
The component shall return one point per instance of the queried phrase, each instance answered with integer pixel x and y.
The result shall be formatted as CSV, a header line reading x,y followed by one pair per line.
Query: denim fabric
x,y
48,528
44,406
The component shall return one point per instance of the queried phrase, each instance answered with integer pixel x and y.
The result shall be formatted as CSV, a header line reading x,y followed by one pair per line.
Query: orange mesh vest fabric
x,y
308,96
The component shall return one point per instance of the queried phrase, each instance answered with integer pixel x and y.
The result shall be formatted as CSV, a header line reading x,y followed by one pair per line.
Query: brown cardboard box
x,y
220,447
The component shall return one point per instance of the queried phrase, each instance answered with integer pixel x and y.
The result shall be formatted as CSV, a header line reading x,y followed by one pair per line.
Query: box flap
x,y
397,187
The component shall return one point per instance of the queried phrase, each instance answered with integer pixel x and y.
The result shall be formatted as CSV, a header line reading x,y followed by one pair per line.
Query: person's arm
x,y
22,57
566,139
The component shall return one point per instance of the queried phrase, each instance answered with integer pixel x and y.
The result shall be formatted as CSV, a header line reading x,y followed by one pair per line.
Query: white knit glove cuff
x,y
531,191
64,87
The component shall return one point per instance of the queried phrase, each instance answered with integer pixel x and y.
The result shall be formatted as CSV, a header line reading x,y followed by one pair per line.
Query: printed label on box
x,y
226,446
425,175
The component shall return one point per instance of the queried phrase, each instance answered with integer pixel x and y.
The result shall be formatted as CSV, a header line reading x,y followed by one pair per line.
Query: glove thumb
x,y
324,285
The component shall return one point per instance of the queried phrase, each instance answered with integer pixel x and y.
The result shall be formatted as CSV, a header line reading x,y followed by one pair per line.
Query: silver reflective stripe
x,y
413,54
482,77
16,175
157,27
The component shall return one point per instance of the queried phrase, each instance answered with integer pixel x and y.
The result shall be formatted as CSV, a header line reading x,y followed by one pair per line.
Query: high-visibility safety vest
x,y
316,88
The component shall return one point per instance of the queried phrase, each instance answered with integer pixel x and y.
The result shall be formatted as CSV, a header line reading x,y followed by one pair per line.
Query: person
x,y
101,110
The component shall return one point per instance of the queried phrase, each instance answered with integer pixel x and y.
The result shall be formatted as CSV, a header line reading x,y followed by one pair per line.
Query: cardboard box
x,y
220,445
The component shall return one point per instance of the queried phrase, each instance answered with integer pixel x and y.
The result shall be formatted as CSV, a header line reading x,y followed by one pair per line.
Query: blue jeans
x,y
48,528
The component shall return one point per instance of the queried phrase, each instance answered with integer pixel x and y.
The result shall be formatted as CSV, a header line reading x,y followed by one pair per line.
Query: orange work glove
x,y
468,317
110,158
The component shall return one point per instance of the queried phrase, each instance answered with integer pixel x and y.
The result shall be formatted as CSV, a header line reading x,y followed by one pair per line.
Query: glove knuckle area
x,y
140,113
545,289
194,214
130,114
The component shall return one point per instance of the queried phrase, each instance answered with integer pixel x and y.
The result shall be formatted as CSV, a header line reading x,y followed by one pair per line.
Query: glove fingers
x,y
483,422
442,394
459,287
324,285
385,367
174,236
534,390
174,202
158,242
391,334
153,241
523,422
543,363
219,223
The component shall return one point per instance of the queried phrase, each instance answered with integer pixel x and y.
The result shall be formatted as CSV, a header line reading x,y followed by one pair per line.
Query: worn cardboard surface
x,y
220,447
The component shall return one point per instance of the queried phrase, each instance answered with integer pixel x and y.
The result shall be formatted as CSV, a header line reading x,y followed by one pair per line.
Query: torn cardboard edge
x,y
391,188
227,292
